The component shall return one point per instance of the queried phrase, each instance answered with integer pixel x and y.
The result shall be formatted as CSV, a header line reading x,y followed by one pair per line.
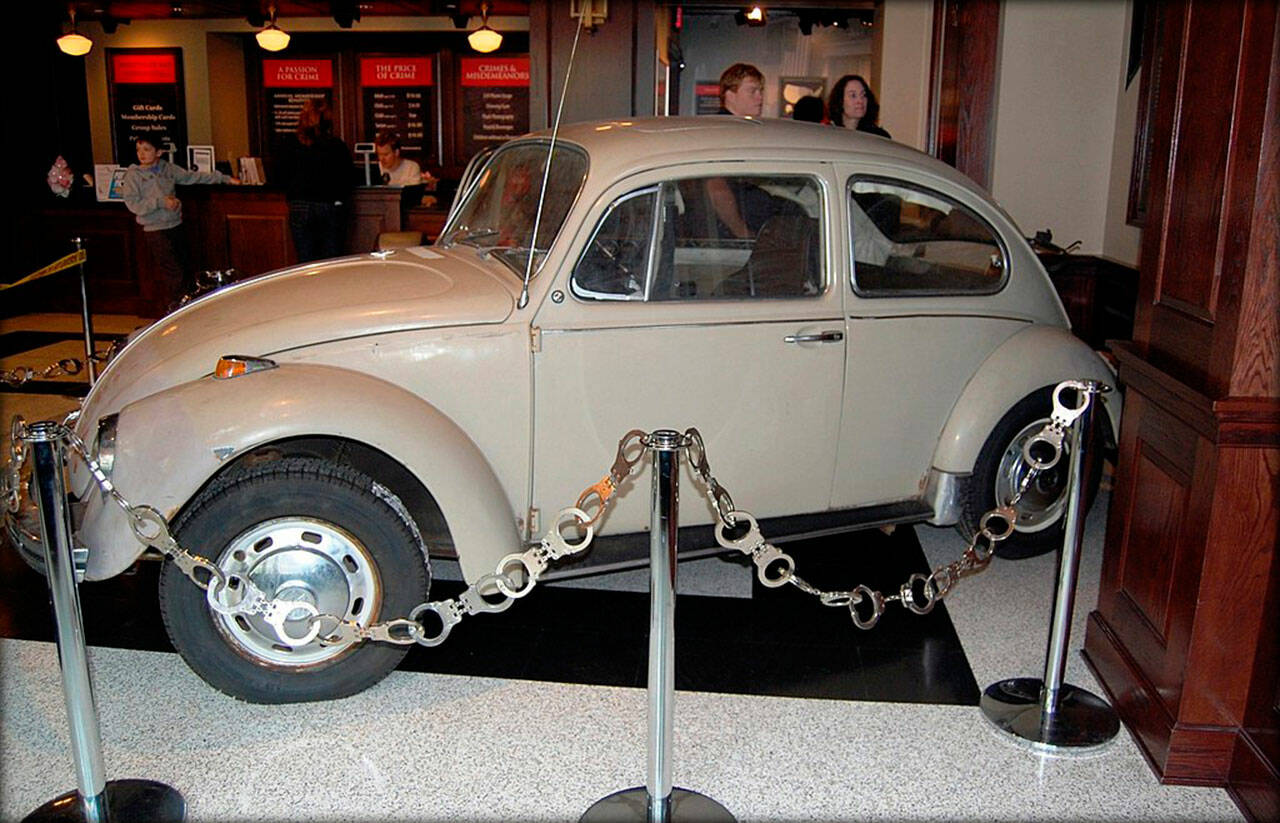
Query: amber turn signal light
x,y
235,365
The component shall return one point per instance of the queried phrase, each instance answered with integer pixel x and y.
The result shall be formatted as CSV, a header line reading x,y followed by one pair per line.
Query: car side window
x,y
707,238
615,265
911,241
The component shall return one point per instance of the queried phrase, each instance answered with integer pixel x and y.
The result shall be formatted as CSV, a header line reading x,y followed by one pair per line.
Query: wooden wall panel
x,y
1154,522
1190,547
966,48
117,266
257,243
1193,215
1204,180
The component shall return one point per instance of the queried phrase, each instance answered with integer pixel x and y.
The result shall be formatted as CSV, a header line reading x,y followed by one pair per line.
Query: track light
x,y
484,39
272,38
74,43
751,16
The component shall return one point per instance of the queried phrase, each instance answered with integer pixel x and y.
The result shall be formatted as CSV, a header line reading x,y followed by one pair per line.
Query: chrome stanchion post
x,y
658,801
55,534
1049,714
663,523
91,368
99,801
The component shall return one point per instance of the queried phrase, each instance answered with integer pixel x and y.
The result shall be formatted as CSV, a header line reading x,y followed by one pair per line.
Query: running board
x,y
617,552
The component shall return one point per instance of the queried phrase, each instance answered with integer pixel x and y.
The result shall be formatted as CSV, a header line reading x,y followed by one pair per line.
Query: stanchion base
x,y
1083,721
633,804
127,801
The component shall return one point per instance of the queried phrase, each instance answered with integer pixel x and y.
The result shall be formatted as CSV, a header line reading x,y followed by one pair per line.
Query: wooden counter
x,y
241,227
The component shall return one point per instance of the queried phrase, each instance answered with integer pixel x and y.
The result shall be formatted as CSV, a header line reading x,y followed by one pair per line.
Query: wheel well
x,y
375,463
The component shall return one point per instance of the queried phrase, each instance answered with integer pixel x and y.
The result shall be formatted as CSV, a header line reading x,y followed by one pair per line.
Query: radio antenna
x,y
546,173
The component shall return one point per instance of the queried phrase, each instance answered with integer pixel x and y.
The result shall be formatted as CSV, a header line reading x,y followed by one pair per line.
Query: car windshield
x,y
499,208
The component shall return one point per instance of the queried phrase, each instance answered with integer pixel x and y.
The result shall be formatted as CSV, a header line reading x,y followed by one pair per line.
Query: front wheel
x,y
299,529
1000,472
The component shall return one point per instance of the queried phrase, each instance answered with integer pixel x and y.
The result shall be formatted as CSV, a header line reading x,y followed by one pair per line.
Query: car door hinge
x,y
535,339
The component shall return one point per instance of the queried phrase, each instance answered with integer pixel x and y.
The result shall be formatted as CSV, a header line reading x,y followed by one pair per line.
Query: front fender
x,y
169,444
1035,357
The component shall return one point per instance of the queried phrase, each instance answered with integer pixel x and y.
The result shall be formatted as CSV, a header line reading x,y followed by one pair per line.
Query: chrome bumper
x,y
22,528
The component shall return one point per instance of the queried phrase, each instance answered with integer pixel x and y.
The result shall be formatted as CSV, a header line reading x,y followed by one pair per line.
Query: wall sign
x,y
706,97
396,97
144,88
495,100
289,84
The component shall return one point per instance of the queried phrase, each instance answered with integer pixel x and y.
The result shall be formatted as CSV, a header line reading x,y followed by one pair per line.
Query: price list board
x,y
145,91
289,84
397,97
706,97
495,100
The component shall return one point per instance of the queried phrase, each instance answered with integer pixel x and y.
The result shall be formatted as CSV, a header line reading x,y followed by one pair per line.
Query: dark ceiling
x,y
124,10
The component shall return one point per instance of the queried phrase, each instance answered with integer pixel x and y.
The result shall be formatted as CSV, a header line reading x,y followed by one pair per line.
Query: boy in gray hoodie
x,y
149,193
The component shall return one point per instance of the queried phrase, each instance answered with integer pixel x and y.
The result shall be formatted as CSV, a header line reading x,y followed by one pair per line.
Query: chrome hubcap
x,y
1043,502
298,558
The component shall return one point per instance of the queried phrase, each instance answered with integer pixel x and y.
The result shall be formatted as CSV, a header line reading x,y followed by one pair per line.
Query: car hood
x,y
313,303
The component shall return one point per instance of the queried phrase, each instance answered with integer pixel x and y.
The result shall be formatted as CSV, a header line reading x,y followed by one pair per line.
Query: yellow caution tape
x,y
74,259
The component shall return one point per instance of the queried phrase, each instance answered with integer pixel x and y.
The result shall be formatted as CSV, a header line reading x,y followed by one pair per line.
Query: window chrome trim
x,y
654,189
927,191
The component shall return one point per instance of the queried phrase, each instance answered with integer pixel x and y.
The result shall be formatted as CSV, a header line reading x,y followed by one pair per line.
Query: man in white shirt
x,y
396,170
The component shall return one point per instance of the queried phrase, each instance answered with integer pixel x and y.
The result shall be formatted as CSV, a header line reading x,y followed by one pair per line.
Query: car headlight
x,y
104,450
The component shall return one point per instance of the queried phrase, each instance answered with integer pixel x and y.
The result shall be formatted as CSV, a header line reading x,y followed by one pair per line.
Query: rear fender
x,y
171,443
1035,357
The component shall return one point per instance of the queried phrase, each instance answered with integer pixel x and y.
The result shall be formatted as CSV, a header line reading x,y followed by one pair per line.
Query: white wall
x,y
1061,66
907,35
1122,241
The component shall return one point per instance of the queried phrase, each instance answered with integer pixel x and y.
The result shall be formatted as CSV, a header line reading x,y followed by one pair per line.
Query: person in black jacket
x,y
853,105
317,169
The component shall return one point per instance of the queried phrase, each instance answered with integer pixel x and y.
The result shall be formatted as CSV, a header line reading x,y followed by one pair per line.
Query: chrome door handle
x,y
816,337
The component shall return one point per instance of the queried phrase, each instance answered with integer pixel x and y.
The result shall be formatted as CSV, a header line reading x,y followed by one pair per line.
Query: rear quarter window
x,y
909,240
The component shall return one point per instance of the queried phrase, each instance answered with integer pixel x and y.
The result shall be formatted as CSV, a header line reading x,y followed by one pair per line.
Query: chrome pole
x,y
658,801
1064,594
99,801
1047,714
663,527
46,441
91,368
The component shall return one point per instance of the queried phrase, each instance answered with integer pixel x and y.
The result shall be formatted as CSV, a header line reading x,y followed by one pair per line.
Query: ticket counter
x,y
241,227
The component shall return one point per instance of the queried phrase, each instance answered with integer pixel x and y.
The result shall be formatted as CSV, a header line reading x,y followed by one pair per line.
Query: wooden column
x,y
1183,637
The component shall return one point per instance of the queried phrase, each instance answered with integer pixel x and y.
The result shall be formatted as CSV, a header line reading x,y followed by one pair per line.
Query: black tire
x,y
1042,517
352,549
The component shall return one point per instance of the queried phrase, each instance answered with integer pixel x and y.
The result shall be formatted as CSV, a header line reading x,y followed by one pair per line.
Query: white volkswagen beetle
x,y
861,335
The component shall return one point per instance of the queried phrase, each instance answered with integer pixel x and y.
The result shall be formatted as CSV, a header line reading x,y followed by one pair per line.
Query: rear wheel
x,y
1000,471
299,529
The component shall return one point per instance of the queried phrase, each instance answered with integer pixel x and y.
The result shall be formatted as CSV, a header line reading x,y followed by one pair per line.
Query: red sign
x,y
297,74
144,68
495,71
707,89
395,71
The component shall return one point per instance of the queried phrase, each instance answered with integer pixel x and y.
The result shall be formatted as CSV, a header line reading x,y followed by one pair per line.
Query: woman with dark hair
x,y
853,105
317,169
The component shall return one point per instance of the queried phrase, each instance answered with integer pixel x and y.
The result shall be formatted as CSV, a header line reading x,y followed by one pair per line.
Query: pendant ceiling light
x,y
272,38
484,39
75,43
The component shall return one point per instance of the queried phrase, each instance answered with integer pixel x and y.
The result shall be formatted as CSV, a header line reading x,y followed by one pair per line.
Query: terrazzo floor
x,y
426,747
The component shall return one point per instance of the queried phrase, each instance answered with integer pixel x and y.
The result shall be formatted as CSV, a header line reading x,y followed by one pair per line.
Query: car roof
x,y
619,148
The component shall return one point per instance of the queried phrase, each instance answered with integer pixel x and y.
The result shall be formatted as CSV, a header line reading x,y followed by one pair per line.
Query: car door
x,y
663,318
927,302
